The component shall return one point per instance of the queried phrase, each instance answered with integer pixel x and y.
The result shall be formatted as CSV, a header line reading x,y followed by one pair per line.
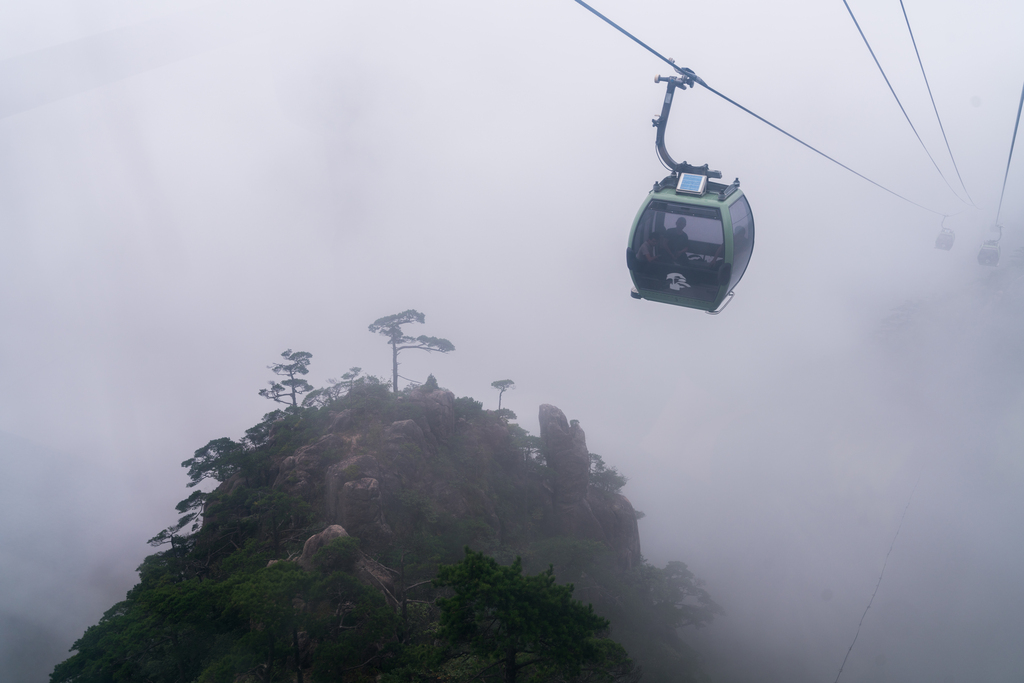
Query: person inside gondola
x,y
678,242
655,248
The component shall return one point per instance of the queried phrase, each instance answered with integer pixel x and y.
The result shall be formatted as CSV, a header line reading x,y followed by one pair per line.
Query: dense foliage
x,y
444,597
524,626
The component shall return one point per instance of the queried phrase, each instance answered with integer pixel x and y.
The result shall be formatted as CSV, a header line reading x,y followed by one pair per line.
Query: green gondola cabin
x,y
692,238
690,242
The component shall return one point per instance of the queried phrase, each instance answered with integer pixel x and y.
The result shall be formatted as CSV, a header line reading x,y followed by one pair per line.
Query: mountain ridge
x,y
396,485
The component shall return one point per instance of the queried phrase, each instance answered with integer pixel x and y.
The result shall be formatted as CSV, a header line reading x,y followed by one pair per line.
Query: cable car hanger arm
x,y
661,122
687,78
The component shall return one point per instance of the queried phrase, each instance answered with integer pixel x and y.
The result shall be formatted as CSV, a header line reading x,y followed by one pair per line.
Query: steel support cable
x,y
934,107
670,62
905,115
814,149
949,215
1012,142
687,72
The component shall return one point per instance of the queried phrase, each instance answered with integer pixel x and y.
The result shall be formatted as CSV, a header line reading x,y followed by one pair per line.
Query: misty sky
x,y
189,188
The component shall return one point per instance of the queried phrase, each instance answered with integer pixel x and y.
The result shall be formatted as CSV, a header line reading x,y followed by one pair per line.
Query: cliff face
x,y
580,510
362,471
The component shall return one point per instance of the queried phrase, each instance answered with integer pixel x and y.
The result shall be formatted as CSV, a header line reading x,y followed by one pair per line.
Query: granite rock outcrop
x,y
428,464
581,510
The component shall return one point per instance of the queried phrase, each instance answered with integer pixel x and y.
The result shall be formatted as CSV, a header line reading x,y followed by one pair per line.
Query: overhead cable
x,y
880,575
689,73
814,149
934,107
667,60
1014,140
905,115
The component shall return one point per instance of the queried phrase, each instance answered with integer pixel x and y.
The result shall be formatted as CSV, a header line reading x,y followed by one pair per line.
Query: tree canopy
x,y
390,326
287,390
605,478
503,385
522,626
318,398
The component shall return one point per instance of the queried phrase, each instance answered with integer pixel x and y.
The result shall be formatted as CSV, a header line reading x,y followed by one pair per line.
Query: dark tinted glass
x,y
742,238
679,249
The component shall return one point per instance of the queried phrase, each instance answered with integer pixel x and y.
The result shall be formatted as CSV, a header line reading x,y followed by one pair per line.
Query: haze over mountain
x,y
237,179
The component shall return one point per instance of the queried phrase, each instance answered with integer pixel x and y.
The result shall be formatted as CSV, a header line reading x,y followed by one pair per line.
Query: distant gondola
x,y
989,253
692,238
945,239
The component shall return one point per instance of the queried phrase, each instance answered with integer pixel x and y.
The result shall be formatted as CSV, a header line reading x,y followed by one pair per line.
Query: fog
x,y
188,189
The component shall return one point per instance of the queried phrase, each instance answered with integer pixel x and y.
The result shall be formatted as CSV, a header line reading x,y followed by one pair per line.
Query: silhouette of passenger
x,y
655,248
678,242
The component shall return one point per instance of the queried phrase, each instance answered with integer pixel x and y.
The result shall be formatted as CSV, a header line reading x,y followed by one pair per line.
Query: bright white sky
x,y
187,189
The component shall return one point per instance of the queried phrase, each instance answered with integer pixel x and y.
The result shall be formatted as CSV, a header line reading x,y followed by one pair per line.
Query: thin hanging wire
x,y
698,80
934,107
1007,175
905,115
880,575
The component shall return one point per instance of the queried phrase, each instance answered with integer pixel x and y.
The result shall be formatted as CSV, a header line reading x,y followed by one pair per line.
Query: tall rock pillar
x,y
565,449
580,510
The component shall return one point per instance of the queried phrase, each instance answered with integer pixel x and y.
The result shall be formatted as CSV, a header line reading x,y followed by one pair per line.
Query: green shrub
x,y
467,408
337,556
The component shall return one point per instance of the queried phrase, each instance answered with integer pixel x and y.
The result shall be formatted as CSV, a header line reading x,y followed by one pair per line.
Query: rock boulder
x,y
617,518
405,439
565,448
361,510
438,421
299,473
318,541
368,570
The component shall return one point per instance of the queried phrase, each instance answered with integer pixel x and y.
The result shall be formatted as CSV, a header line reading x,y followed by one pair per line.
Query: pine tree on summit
x,y
503,385
391,327
293,386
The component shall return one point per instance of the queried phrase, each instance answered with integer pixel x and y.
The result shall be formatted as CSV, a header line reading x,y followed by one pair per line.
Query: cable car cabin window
x,y
742,238
679,250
